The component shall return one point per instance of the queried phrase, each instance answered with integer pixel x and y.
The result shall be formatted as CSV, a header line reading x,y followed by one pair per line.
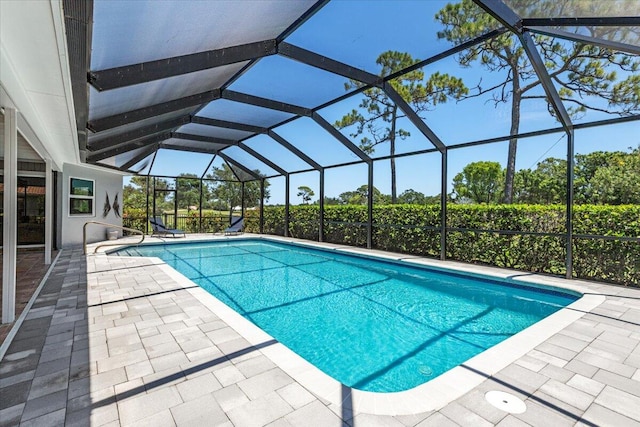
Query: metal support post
x,y
443,206
146,224
242,199
200,208
370,207
262,206
153,214
321,204
569,223
286,205
175,204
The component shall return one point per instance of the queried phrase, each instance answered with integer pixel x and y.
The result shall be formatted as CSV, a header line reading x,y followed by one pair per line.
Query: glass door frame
x,y
32,174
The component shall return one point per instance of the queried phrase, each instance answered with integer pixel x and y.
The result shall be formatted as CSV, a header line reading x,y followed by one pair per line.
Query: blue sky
x,y
358,33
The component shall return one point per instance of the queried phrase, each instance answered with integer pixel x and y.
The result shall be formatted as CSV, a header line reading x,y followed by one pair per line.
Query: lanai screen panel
x,y
487,98
165,29
316,142
240,173
359,34
223,109
121,159
217,164
157,120
170,162
214,131
246,159
285,80
187,145
274,151
627,35
555,9
121,100
376,130
142,167
606,91
573,8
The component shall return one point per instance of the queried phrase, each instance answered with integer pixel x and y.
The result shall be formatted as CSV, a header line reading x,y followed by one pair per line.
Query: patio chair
x,y
236,226
161,230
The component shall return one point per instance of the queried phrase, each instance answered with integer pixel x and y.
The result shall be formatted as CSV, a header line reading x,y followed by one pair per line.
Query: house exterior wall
x,y
25,151
105,183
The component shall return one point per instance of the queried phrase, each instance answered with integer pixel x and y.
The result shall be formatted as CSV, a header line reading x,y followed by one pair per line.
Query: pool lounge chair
x,y
161,230
236,226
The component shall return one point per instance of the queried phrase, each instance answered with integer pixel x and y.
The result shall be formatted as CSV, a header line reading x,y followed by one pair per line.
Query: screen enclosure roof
x,y
262,84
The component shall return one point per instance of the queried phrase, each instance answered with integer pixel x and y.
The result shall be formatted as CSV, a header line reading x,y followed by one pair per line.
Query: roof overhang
x,y
35,78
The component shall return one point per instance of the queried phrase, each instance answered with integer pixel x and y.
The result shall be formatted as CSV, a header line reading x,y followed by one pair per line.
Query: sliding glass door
x,y
30,212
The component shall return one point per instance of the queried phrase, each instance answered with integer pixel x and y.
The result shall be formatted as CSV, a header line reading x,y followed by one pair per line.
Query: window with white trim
x,y
81,197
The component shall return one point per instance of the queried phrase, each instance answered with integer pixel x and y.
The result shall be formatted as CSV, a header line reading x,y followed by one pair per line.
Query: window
x,y
81,197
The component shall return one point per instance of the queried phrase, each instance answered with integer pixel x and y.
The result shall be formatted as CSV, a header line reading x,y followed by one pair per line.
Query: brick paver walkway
x,y
118,342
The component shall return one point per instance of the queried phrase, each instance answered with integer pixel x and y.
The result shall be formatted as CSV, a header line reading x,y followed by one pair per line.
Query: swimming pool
x,y
372,325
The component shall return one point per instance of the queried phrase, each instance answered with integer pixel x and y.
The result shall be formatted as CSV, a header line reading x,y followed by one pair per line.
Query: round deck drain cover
x,y
506,402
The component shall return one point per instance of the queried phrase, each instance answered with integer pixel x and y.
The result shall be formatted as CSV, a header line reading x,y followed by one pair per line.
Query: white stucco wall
x,y
106,182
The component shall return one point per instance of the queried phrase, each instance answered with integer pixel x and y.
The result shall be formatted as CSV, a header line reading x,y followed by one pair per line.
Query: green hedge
x,y
135,219
210,223
414,229
519,251
607,260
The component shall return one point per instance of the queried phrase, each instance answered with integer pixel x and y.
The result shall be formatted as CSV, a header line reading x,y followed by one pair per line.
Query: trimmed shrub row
x,y
414,229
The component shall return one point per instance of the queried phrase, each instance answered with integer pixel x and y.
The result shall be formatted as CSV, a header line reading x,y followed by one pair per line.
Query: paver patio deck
x,y
119,341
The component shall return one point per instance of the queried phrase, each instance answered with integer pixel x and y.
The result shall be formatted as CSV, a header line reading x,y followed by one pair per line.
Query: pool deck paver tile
x,y
511,421
437,419
260,412
121,341
601,416
463,416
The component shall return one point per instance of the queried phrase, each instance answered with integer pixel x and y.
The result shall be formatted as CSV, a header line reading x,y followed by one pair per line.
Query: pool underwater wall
x,y
404,262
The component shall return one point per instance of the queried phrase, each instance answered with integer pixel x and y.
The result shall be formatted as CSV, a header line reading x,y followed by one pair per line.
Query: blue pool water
x,y
370,324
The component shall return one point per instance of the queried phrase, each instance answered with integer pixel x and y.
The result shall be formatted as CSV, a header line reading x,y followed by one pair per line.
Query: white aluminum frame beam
x,y
10,220
48,211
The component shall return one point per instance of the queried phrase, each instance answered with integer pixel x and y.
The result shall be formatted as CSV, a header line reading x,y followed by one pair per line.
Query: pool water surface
x,y
371,324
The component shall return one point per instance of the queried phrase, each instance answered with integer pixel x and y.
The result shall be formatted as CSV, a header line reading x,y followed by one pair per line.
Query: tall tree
x,y
188,186
412,197
225,186
585,75
376,121
601,177
328,201
360,196
479,182
587,165
617,183
164,200
306,193
134,194
546,184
